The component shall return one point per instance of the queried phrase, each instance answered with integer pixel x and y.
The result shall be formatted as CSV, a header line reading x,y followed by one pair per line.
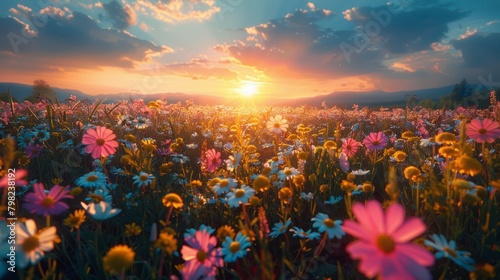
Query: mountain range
x,y
343,99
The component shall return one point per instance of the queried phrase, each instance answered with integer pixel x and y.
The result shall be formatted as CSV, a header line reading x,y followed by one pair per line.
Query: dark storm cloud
x,y
480,51
70,41
121,16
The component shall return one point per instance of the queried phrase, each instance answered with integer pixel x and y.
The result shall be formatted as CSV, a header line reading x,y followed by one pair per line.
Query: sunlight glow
x,y
249,89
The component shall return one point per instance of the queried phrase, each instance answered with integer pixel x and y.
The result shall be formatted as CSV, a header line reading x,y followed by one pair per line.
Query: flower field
x,y
153,190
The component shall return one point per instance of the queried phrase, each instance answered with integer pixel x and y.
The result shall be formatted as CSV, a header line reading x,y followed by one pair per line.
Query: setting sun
x,y
249,89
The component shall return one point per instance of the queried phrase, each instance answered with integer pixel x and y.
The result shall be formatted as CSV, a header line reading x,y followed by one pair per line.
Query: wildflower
x,y
307,196
235,249
483,131
261,183
448,152
224,186
191,232
100,211
143,179
277,124
483,271
334,200
285,194
280,228
446,138
99,195
118,259
467,165
233,162
18,177
367,187
142,122
448,249
213,160
32,245
399,156
348,186
323,223
100,142
383,247
225,231
375,141
238,196
201,254
92,179
172,200
300,233
167,243
350,147
287,173
412,173
75,220
132,229
47,204
407,135
360,172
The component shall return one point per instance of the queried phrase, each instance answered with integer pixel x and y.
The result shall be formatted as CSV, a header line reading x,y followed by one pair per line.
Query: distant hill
x,y
343,99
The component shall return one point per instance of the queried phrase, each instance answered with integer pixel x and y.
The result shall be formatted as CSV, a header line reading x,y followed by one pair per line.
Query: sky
x,y
279,48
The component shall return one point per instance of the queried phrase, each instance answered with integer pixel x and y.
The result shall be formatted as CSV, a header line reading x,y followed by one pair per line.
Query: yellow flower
x,y
76,219
348,186
224,231
448,152
119,259
254,201
172,199
329,145
412,173
261,183
196,183
285,194
368,187
399,156
467,165
325,188
132,229
407,135
299,180
167,243
446,138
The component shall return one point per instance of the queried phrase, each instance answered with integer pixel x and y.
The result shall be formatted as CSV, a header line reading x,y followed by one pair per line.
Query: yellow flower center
x,y
482,131
287,172
92,178
201,256
214,161
375,143
234,247
239,193
385,243
224,183
277,125
100,142
30,244
329,222
47,201
143,177
450,252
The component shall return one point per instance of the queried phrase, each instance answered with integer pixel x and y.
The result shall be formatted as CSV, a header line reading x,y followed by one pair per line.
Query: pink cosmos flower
x,y
384,246
100,142
201,255
486,130
213,160
47,203
375,141
17,177
350,147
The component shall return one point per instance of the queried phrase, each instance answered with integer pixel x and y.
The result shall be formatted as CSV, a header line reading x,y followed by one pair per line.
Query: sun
x,y
249,89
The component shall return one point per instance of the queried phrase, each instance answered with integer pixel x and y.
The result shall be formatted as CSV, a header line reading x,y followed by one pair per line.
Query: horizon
x,y
243,48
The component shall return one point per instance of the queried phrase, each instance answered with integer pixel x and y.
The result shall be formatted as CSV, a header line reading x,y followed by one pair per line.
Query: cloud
x,y
69,41
199,69
172,11
480,52
121,16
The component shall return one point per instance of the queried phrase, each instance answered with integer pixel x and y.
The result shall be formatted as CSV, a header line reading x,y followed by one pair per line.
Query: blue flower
x,y
334,200
298,232
448,250
235,249
91,180
191,232
305,196
280,228
324,223
143,179
241,195
224,186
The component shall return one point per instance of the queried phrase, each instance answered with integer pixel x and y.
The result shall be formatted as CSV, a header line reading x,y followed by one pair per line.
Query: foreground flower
x,y
167,243
213,160
448,250
46,204
485,130
32,245
383,247
323,223
201,254
100,211
238,196
235,249
350,147
277,124
375,141
172,200
118,259
100,142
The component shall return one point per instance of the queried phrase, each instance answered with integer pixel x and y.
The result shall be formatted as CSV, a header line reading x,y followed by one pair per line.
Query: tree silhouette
x,y
460,91
41,91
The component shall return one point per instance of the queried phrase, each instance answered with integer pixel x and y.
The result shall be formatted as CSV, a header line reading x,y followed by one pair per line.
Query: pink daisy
x,y
384,246
201,255
213,160
350,147
486,130
15,178
47,203
100,142
375,141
